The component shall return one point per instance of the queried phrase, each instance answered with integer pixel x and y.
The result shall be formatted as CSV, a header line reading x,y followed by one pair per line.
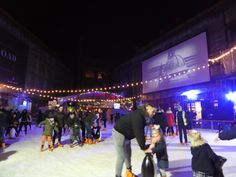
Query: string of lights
x,y
49,93
74,99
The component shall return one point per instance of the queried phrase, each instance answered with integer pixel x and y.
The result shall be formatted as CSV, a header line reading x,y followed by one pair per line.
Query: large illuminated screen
x,y
181,65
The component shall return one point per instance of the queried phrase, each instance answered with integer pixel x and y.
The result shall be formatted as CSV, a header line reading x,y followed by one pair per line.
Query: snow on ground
x,y
23,158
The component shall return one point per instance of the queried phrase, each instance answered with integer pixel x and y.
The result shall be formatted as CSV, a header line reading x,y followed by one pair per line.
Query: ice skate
x,y
129,173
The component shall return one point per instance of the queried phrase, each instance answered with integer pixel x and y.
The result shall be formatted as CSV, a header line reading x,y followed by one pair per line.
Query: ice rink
x,y
24,159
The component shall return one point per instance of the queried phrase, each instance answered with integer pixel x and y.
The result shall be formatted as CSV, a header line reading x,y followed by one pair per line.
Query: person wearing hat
x,y
127,128
204,160
158,147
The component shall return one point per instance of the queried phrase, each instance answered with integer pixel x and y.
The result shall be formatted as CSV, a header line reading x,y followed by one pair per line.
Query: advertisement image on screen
x,y
182,65
116,105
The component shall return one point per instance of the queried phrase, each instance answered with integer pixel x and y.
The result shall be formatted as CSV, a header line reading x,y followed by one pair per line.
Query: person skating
x,y
205,163
89,121
127,128
170,122
49,125
24,121
181,122
59,119
2,126
74,127
158,147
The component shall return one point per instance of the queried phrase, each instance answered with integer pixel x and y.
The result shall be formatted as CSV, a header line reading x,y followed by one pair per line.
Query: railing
x,y
213,124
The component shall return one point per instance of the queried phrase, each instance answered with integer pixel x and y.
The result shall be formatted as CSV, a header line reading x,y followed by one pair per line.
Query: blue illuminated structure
x,y
191,94
231,96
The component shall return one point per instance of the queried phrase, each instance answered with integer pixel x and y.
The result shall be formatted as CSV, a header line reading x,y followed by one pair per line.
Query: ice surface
x,y
23,158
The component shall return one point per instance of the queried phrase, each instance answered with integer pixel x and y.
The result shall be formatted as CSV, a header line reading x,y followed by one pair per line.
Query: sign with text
x,y
13,59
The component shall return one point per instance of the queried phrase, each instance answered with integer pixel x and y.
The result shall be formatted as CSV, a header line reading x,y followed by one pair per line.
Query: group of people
x,y
180,120
205,162
78,122
12,122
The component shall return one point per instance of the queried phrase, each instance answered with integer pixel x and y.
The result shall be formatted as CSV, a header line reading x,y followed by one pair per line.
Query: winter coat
x,y
228,135
160,119
89,119
161,153
190,115
49,125
170,119
3,117
73,122
181,119
132,126
60,119
204,159
50,113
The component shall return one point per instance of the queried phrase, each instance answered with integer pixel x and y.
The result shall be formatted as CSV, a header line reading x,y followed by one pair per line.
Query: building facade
x,y
26,62
219,25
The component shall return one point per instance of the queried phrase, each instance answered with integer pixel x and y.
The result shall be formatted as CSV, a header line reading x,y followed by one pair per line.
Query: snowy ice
x,y
24,159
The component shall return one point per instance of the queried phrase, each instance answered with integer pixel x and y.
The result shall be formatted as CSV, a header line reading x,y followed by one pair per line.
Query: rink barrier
x,y
213,124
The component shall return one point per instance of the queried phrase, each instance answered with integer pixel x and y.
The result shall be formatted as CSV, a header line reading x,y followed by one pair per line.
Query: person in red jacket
x,y
170,121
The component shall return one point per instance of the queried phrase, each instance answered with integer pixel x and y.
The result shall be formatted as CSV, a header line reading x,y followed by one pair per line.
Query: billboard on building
x,y
13,58
181,65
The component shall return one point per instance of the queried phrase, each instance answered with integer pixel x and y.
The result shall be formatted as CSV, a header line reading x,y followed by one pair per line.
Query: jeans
x,y
123,151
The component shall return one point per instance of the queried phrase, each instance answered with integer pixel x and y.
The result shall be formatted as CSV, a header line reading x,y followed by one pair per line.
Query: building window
x,y
89,74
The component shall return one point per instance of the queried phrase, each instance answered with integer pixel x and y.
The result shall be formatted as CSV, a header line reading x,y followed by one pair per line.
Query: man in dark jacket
x,y
127,128
59,119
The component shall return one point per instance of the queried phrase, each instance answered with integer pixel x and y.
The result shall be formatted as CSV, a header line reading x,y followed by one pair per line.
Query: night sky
x,y
108,32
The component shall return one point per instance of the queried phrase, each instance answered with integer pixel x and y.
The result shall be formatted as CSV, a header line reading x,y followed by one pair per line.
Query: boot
x,y
90,141
41,149
4,146
50,148
129,173
60,145
86,141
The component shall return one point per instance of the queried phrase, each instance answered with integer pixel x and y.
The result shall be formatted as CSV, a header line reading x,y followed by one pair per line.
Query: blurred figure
x,y
170,122
39,117
2,126
59,119
24,121
181,122
74,127
227,134
104,119
160,119
190,115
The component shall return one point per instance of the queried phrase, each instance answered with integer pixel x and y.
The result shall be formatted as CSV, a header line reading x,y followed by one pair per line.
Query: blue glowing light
x,y
191,94
231,96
